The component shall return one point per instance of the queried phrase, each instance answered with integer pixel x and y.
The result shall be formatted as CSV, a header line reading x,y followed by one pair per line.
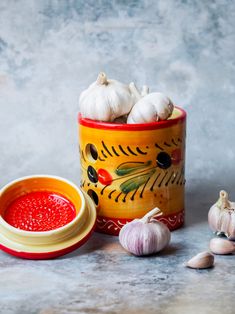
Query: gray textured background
x,y
51,50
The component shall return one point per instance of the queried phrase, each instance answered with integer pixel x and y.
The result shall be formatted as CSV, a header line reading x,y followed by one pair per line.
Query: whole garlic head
x,y
150,108
221,216
105,99
145,236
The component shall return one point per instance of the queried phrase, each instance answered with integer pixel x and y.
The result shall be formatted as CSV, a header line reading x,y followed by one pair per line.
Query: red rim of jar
x,y
132,127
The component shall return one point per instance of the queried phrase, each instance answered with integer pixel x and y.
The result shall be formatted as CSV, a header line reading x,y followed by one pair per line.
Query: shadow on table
x,y
97,241
110,243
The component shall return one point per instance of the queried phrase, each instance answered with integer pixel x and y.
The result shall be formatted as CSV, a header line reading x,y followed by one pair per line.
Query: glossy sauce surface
x,y
40,211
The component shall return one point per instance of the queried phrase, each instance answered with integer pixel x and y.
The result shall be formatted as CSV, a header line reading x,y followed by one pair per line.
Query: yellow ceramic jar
x,y
128,169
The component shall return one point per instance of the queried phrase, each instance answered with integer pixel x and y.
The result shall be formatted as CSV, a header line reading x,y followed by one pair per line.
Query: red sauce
x,y
40,211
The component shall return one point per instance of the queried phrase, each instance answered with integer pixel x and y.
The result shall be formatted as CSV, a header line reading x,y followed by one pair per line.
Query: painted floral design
x,y
132,178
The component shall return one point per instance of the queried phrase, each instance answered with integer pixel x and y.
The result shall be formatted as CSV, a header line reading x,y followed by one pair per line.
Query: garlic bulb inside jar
x,y
221,216
150,108
105,99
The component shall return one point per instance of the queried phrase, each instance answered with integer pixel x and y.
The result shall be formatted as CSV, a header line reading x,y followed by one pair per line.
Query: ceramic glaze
x,y
128,169
40,211
60,221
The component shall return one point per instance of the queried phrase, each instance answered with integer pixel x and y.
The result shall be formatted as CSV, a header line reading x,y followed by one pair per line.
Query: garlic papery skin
x,y
151,108
201,261
222,246
145,91
145,236
136,93
105,100
221,216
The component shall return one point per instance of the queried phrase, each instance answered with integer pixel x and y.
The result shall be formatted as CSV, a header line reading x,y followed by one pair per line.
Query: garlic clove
x,y
201,261
222,246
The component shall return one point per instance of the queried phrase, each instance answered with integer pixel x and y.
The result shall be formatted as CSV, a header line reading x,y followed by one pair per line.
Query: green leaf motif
x,y
135,182
129,167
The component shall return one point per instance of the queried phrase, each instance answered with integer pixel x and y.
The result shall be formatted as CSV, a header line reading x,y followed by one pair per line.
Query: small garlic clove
x,y
201,261
222,246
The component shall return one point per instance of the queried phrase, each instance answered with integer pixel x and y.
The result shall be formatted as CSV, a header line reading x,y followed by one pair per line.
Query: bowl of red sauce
x,y
44,217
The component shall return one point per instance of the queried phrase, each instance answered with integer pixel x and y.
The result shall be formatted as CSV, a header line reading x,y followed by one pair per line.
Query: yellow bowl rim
x,y
50,232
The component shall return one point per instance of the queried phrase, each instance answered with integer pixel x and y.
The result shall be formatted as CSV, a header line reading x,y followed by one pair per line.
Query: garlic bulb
x,y
201,260
105,99
222,246
150,108
146,235
221,216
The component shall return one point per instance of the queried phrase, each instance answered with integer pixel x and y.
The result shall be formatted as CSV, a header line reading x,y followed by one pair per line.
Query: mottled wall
x,y
51,50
